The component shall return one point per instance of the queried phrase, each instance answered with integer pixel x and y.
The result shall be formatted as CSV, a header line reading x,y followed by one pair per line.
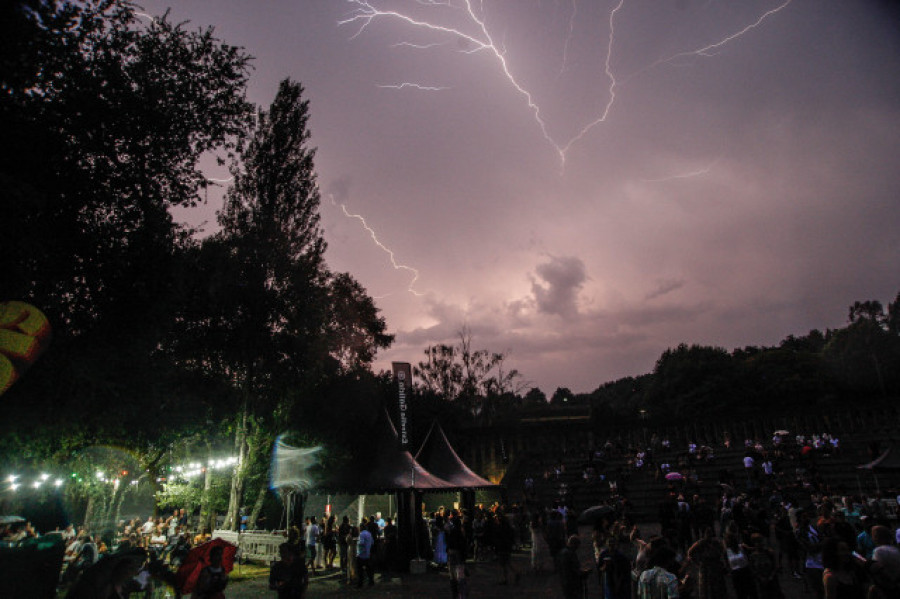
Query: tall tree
x,y
105,117
270,227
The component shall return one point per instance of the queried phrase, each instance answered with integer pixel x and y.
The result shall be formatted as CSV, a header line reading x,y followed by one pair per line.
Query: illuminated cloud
x,y
556,285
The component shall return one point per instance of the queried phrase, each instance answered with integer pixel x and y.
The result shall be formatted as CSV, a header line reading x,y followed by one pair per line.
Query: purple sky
x,y
741,187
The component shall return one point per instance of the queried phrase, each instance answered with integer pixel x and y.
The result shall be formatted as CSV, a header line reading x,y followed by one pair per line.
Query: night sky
x,y
584,184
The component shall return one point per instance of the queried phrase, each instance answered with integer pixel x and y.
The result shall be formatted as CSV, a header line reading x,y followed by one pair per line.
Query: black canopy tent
x,y
888,461
439,457
388,469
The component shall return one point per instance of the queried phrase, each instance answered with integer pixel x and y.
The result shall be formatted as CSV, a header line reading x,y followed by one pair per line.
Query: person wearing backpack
x,y
213,578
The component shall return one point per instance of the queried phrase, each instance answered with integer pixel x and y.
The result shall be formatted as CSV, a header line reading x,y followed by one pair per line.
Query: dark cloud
x,y
663,287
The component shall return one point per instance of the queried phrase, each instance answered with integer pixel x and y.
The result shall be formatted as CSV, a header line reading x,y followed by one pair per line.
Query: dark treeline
x,y
859,362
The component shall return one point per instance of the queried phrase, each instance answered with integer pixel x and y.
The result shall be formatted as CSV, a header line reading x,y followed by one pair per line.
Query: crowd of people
x,y
778,519
145,553
774,518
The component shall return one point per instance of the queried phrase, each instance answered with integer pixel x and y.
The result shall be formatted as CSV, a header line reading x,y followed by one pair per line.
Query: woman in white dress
x,y
540,551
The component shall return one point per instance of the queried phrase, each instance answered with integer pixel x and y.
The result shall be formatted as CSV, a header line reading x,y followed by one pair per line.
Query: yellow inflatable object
x,y
24,335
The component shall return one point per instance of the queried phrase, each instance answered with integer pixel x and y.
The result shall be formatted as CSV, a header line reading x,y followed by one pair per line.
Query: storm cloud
x,y
680,176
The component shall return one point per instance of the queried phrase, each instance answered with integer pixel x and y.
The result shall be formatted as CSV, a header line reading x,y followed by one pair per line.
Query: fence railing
x,y
256,545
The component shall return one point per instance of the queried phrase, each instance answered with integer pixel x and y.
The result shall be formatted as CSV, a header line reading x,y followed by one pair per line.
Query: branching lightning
x,y
365,13
427,88
708,50
384,248
416,46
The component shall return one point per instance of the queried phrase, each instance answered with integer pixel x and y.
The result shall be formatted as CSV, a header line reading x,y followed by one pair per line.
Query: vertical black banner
x,y
403,378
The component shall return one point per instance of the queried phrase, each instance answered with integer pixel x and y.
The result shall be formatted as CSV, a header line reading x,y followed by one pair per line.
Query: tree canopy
x,y
160,335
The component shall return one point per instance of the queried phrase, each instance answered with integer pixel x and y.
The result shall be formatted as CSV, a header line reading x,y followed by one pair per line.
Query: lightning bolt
x,y
427,88
565,54
708,50
365,13
416,46
703,171
384,248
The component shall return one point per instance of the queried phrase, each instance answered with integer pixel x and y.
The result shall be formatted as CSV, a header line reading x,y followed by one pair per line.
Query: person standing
x,y
213,578
738,564
343,542
364,555
841,578
708,557
571,574
811,540
503,545
329,541
311,538
289,576
659,581
764,567
456,554
540,550
615,570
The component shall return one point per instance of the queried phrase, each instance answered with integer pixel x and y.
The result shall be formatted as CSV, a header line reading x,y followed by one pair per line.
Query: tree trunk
x,y
257,506
89,512
109,513
117,513
204,496
232,516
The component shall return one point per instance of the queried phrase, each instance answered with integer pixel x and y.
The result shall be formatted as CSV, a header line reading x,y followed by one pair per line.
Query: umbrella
x,y
595,513
198,558
674,476
11,519
782,432
96,580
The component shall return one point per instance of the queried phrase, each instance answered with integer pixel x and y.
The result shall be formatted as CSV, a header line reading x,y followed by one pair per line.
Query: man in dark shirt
x,y
391,548
571,574
343,541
